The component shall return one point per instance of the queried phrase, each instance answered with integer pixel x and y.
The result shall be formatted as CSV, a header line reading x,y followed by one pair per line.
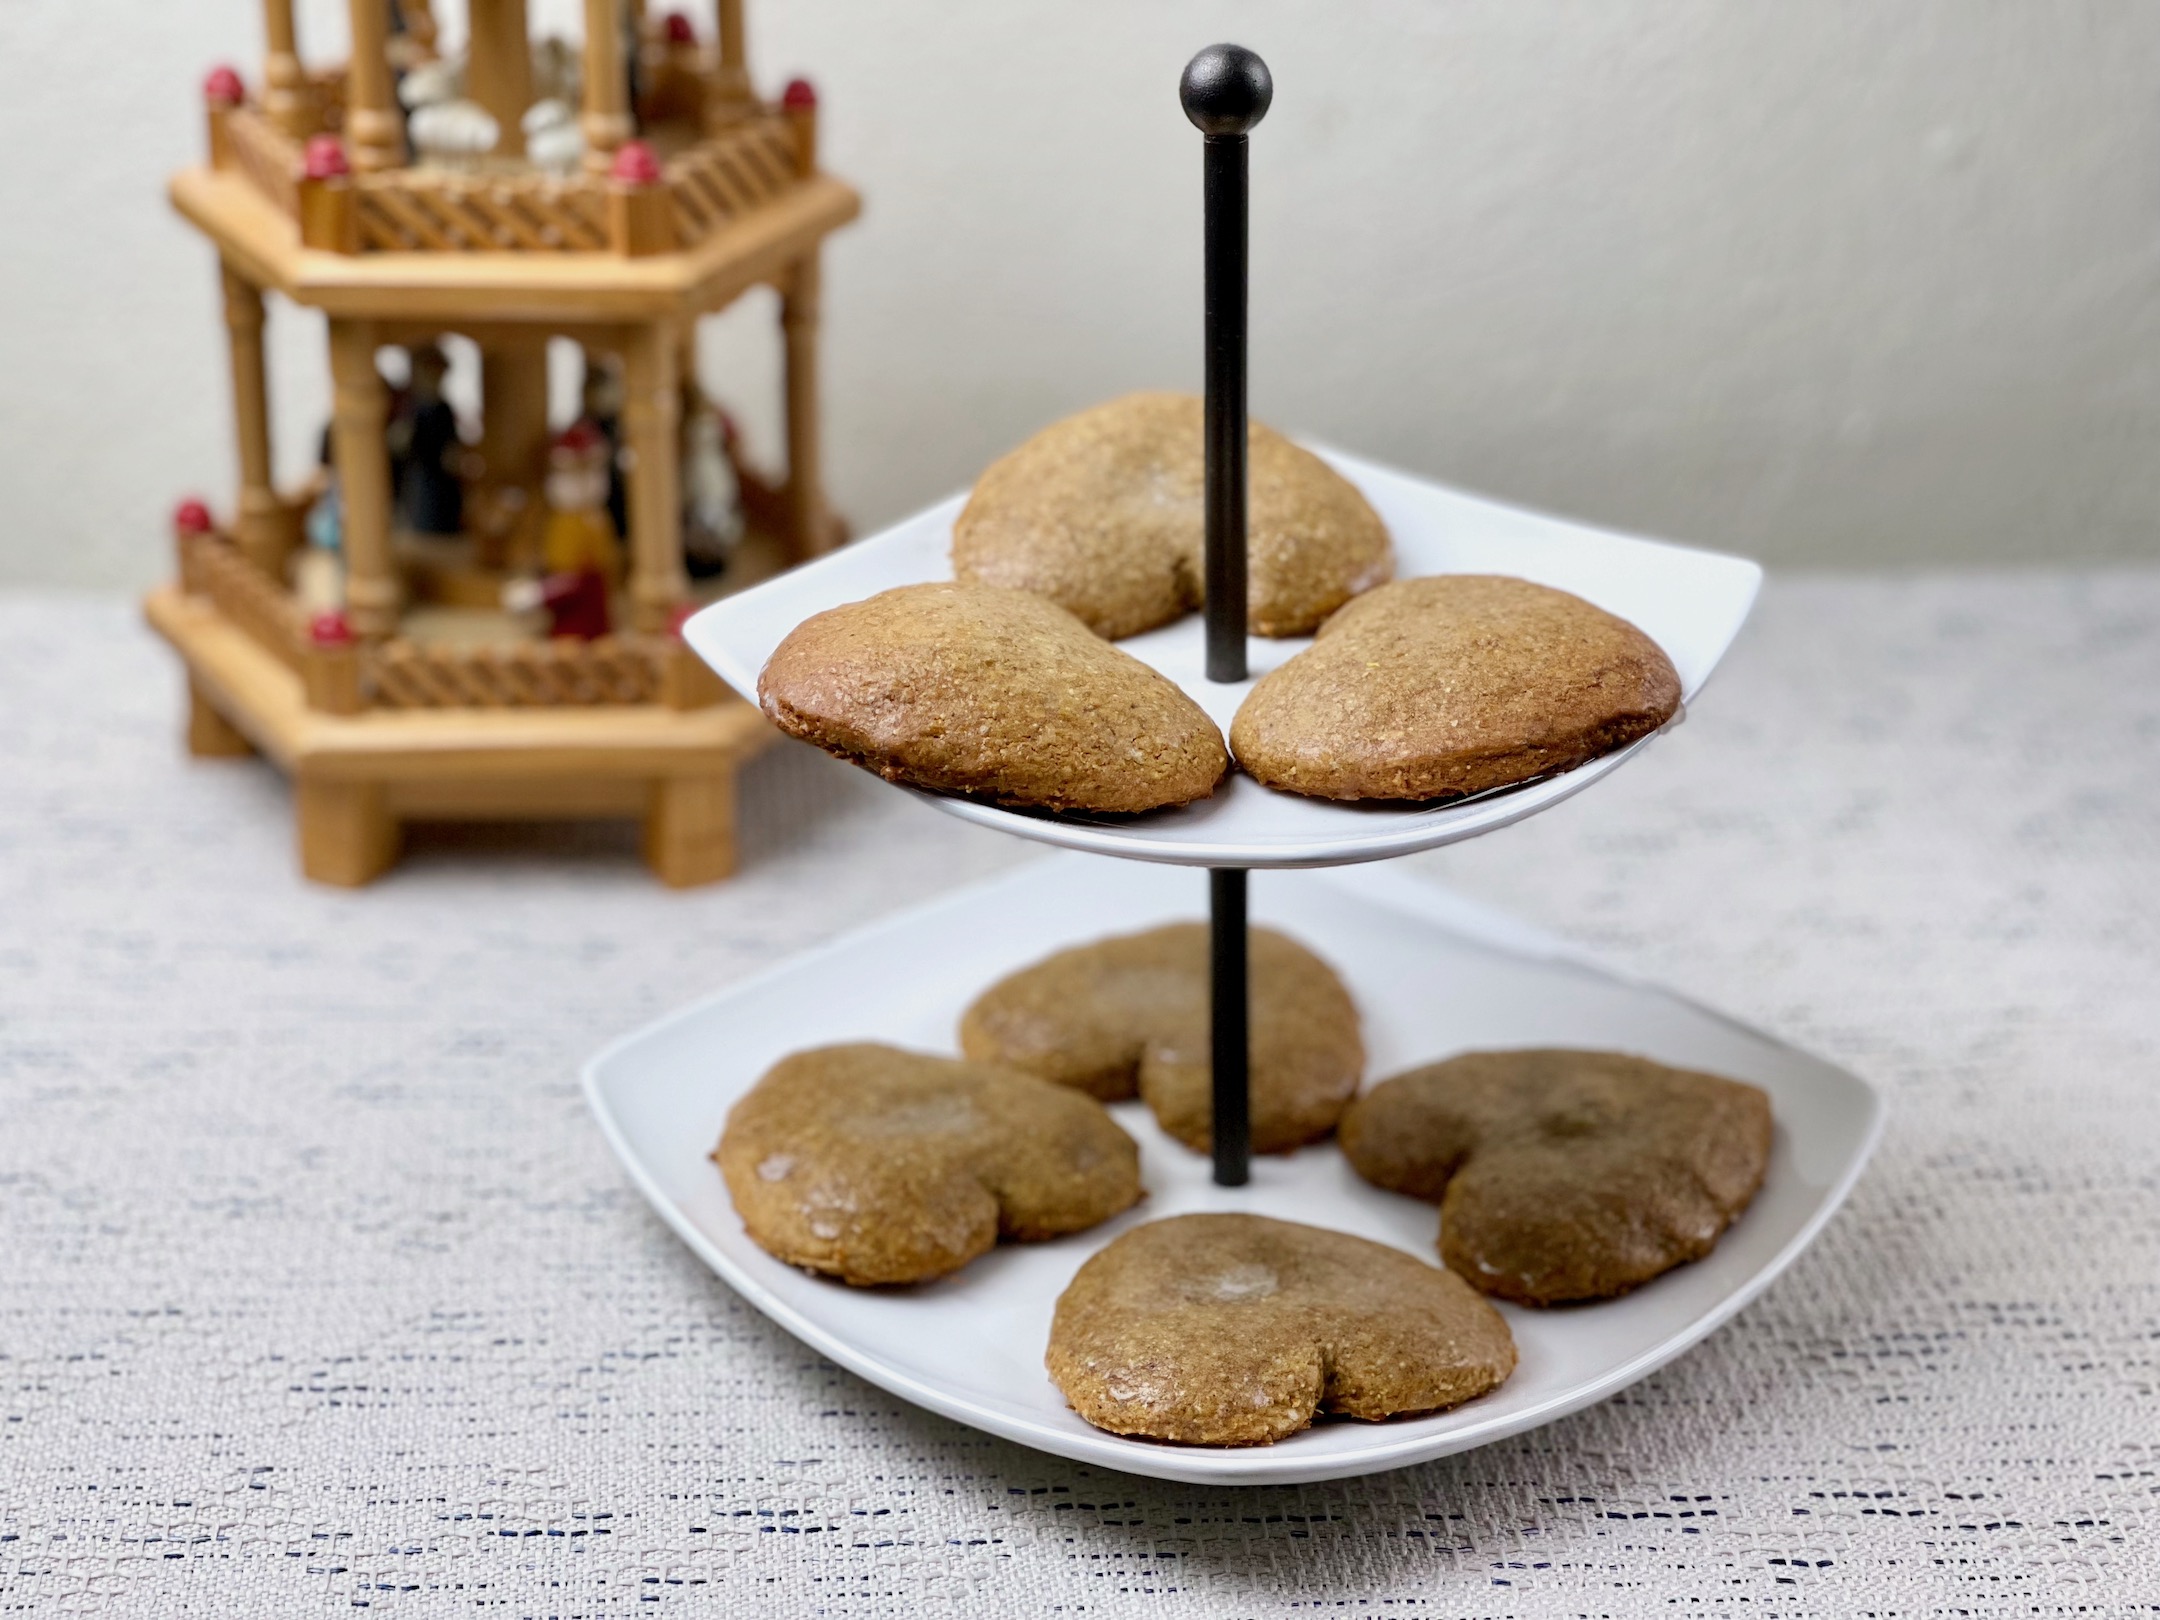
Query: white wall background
x,y
1835,282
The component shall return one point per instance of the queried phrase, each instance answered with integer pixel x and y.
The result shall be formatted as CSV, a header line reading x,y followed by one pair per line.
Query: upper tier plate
x,y
1692,602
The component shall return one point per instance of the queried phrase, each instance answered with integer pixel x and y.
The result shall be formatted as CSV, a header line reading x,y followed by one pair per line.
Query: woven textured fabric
x,y
318,1288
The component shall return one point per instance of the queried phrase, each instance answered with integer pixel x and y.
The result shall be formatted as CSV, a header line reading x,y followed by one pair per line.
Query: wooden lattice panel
x,y
556,674
424,211
411,211
268,156
214,567
326,94
731,174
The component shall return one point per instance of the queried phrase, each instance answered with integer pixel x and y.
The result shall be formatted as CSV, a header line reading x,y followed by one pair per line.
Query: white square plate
x,y
1433,974
1692,603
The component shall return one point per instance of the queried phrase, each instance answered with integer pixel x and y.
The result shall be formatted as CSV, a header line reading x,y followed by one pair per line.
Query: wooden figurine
x,y
600,400
552,139
425,449
712,523
319,569
578,548
574,606
610,218
580,536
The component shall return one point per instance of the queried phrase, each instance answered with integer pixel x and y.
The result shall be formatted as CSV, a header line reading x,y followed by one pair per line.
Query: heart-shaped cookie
x,y
1450,684
1130,1016
1103,514
877,1165
994,693
1565,1175
1234,1330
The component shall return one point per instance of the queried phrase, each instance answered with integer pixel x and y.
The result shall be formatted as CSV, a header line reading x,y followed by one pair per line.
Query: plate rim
x,y
1221,1465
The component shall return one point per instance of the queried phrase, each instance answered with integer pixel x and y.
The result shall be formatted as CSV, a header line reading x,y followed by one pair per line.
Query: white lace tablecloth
x,y
318,1289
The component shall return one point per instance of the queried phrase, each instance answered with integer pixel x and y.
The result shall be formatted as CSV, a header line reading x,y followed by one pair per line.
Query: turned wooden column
x,y
514,409
605,120
652,420
686,358
374,133
734,80
799,327
284,87
262,531
513,422
359,404
498,69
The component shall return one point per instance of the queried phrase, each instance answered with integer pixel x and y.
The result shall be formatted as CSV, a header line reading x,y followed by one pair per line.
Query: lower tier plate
x,y
1433,974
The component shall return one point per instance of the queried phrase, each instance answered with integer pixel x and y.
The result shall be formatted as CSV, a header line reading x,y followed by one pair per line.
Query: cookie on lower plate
x,y
1234,1330
878,1165
997,694
1130,1016
1450,684
1565,1175
1103,514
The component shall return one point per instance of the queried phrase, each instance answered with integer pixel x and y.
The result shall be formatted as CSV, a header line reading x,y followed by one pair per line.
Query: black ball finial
x,y
1226,90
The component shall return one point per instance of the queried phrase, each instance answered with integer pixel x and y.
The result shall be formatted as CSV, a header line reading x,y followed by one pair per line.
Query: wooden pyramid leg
x,y
347,835
209,734
690,829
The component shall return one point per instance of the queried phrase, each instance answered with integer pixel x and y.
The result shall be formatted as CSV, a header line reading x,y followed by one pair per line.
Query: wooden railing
x,y
709,184
212,566
730,174
702,188
416,211
342,676
268,156
553,674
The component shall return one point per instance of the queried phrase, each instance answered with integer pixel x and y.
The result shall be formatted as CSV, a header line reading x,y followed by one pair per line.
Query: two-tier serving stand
x,y
1432,974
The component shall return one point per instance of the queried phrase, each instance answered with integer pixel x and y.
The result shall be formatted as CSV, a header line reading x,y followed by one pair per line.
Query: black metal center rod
x,y
1224,183
1231,1032
1225,91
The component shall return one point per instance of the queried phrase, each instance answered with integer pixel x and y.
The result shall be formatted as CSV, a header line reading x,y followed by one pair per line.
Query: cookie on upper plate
x,y
1103,513
1565,1175
994,693
1130,1015
1450,684
1234,1330
878,1165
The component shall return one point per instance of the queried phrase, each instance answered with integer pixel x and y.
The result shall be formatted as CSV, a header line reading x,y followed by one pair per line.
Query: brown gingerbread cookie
x,y
1130,1016
1234,1330
877,1165
1565,1175
1102,513
1450,684
997,694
